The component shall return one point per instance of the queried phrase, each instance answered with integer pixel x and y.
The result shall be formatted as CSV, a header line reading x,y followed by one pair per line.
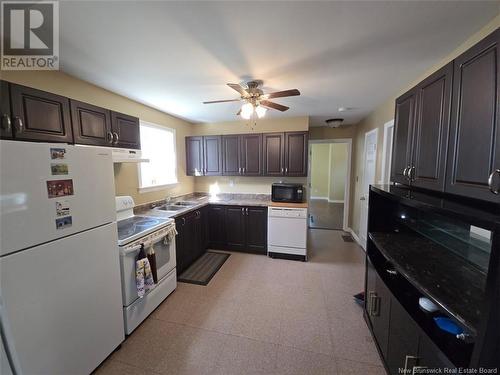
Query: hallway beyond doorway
x,y
328,183
325,215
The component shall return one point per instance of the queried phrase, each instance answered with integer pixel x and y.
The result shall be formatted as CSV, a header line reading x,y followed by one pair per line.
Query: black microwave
x,y
291,193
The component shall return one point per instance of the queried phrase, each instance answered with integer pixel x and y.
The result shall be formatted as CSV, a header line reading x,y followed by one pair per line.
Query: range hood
x,y
125,155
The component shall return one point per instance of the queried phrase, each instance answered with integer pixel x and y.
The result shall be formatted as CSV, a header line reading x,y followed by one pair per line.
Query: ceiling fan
x,y
255,99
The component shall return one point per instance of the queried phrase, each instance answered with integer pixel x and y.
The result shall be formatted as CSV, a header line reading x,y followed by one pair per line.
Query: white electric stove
x,y
134,232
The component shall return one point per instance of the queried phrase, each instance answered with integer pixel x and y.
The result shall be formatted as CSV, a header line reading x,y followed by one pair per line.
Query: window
x,y
157,145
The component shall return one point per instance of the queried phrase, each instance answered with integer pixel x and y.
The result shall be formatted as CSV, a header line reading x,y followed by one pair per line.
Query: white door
x,y
369,165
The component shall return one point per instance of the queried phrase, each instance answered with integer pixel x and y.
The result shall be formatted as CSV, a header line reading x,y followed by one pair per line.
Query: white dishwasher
x,y
287,232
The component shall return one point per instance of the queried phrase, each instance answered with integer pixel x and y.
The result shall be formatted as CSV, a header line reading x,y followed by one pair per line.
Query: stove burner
x,y
147,222
136,225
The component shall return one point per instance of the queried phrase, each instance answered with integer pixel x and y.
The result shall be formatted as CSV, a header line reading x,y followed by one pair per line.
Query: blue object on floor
x,y
448,325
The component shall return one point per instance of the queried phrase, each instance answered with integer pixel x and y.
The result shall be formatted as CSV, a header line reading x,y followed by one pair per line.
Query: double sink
x,y
176,207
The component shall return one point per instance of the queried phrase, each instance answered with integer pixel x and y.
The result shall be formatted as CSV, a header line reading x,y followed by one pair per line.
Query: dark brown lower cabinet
x,y
235,228
216,226
256,229
190,239
238,228
402,346
378,306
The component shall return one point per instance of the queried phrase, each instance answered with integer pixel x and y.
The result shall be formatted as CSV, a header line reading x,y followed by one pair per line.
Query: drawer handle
x,y
6,124
494,190
405,171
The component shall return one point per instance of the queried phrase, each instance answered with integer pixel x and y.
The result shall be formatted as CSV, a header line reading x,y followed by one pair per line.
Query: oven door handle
x,y
132,250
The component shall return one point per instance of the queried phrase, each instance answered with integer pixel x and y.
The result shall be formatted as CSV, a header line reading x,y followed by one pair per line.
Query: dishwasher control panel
x,y
298,213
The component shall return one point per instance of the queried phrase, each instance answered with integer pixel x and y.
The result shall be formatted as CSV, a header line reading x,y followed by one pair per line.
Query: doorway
x,y
369,165
328,183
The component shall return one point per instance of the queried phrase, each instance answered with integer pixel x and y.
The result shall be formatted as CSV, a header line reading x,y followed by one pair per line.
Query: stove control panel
x,y
124,202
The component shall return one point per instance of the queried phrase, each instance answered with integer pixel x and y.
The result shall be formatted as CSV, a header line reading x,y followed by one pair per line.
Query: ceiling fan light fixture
x,y
247,108
261,111
246,115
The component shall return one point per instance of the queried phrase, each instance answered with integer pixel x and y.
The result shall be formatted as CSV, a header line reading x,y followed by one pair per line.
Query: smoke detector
x,y
334,122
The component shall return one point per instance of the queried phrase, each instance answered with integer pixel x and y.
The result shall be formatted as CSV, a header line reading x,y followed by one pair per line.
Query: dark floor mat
x,y
202,271
347,238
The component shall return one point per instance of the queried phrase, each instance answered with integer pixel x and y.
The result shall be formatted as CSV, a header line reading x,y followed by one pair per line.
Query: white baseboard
x,y
335,201
355,236
313,197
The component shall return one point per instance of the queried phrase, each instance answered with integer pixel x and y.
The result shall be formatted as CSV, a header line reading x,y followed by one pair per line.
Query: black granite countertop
x,y
452,282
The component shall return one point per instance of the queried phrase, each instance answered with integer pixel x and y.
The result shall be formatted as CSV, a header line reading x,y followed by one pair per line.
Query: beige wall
x,y
126,180
320,170
332,133
261,126
255,185
385,112
338,171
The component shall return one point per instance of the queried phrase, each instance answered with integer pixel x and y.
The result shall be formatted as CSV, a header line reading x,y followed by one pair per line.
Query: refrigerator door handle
x,y
6,338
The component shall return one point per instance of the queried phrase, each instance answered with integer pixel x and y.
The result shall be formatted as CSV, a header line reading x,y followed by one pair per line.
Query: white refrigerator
x,y
60,292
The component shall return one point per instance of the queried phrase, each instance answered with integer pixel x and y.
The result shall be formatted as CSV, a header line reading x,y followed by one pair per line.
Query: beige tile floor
x,y
261,316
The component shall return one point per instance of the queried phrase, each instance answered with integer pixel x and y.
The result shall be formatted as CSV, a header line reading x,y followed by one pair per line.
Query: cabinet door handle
x,y
18,123
239,170
411,173
286,170
246,210
281,169
392,272
404,171
183,221
493,189
110,138
6,124
115,136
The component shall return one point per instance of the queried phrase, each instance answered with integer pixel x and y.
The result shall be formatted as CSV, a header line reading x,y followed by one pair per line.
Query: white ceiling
x,y
174,55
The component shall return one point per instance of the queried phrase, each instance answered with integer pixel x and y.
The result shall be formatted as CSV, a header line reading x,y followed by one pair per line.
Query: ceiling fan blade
x,y
273,105
281,94
238,88
222,101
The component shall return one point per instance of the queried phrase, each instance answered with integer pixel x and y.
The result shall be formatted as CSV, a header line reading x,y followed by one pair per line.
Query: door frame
x,y
363,243
387,151
347,191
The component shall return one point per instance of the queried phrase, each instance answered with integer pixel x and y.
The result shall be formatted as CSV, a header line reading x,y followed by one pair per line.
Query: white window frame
x,y
146,189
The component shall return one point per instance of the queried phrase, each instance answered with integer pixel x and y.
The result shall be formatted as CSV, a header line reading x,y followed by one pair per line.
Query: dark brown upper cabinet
x,y
430,134
251,154
473,151
5,118
231,165
91,124
296,144
204,156
273,154
194,156
40,116
404,119
125,130
212,155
